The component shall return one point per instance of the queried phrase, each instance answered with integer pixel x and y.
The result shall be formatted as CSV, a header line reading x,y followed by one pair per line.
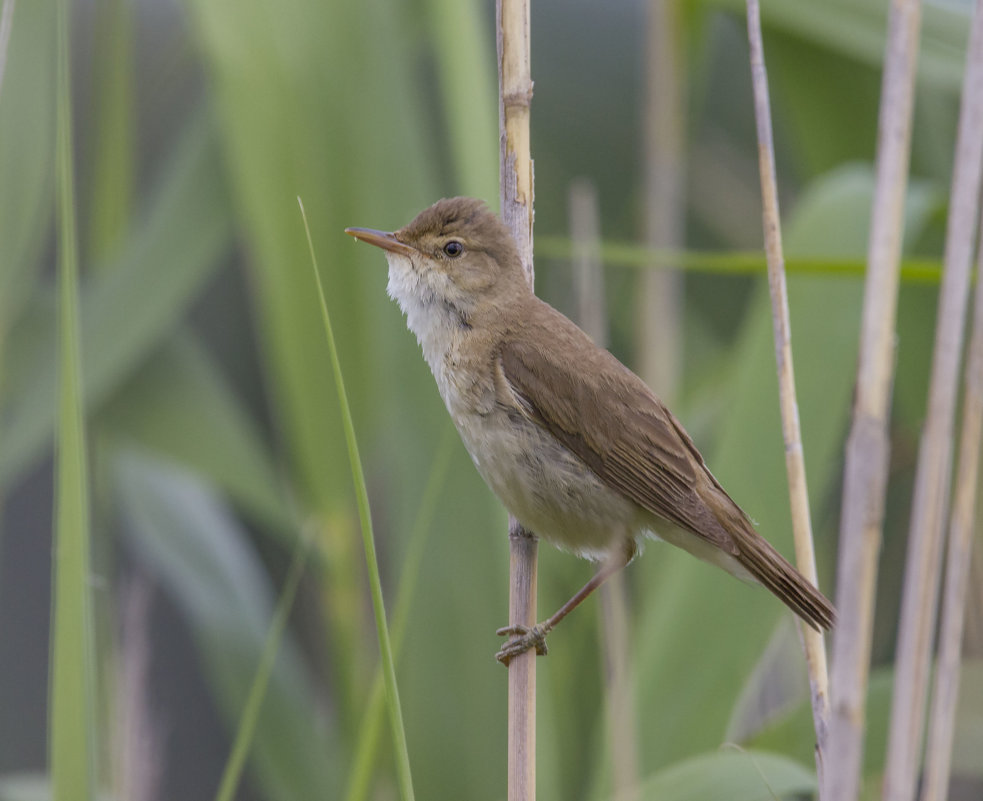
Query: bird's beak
x,y
381,239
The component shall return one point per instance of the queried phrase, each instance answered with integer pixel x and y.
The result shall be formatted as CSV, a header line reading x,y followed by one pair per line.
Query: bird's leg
x,y
526,637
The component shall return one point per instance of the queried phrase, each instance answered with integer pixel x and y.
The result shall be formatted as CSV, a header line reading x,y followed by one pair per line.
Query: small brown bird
x,y
574,444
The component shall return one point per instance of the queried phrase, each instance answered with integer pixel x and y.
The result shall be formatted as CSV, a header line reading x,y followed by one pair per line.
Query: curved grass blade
x,y
71,731
359,779
365,517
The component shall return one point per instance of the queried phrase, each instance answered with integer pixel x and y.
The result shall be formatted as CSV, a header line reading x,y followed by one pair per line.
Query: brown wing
x,y
610,419
607,416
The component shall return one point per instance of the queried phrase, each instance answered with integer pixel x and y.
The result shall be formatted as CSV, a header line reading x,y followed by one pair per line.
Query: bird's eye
x,y
453,248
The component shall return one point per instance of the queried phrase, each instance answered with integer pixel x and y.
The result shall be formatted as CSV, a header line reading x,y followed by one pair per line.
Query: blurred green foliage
x,y
215,423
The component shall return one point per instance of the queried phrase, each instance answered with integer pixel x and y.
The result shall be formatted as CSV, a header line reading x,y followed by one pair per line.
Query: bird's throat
x,y
439,326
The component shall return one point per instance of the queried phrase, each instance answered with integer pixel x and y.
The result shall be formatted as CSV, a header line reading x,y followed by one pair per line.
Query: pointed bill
x,y
381,239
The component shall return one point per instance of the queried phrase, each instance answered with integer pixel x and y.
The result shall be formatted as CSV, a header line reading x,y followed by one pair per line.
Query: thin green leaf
x,y
71,719
625,254
366,748
368,539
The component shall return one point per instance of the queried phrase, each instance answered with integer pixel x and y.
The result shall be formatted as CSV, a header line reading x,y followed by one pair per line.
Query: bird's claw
x,y
523,638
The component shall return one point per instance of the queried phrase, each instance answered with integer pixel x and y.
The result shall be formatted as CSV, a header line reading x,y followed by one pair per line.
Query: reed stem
x,y
945,691
865,469
815,647
916,629
516,196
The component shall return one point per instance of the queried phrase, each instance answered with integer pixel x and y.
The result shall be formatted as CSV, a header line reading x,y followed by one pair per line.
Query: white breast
x,y
548,488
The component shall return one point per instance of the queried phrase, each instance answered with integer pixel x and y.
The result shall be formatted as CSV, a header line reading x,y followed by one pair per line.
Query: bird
x,y
572,442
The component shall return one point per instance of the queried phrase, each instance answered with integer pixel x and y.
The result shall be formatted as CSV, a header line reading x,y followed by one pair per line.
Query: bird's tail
x,y
744,553
773,570
738,538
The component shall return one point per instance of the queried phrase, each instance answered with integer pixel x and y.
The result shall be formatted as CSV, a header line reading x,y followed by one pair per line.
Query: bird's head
x,y
455,258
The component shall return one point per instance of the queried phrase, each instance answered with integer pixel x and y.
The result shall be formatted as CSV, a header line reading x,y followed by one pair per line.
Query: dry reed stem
x,y
973,631
945,692
621,700
523,551
865,469
923,566
515,97
516,197
585,237
585,256
138,736
660,296
815,648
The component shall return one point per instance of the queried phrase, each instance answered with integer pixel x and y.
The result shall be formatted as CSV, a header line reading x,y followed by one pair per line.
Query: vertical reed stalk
x,y
523,552
588,275
621,701
404,775
945,691
515,97
660,299
366,748
516,196
585,236
923,566
138,732
815,648
865,469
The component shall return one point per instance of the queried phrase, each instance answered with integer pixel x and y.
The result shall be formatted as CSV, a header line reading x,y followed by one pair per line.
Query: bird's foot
x,y
523,638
